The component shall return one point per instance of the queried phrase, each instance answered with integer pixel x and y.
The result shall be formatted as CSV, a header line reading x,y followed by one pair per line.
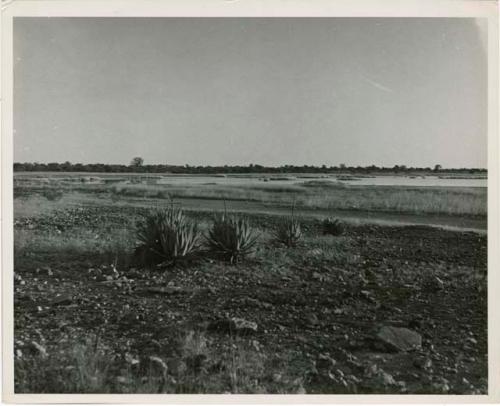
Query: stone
x,y
156,363
325,362
40,350
378,377
399,338
176,366
441,386
422,362
61,300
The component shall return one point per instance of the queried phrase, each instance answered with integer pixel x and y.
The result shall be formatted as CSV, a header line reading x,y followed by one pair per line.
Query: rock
x,y
40,350
156,363
46,270
312,319
422,362
130,359
61,300
439,284
368,296
325,362
441,386
433,284
176,366
234,325
471,340
399,338
277,377
377,377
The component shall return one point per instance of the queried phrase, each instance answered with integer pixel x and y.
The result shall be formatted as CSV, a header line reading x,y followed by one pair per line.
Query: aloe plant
x,y
289,231
167,235
232,238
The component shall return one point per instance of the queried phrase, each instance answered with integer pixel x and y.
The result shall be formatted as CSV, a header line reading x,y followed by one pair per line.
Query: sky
x,y
269,91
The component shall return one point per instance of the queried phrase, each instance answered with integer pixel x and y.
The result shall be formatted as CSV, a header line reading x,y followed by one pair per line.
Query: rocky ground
x,y
376,310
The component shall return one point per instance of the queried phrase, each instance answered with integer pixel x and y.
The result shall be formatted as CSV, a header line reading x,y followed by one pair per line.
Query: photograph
x,y
286,205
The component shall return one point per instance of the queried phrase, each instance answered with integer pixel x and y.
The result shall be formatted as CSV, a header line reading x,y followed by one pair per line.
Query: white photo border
x,y
486,9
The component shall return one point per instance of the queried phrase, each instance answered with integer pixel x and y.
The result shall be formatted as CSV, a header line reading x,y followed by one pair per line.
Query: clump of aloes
x,y
288,232
166,235
232,238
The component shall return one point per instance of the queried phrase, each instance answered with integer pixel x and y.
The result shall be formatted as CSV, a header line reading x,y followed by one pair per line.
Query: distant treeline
x,y
139,167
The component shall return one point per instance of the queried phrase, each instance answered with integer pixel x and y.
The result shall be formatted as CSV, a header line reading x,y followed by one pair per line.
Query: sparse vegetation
x,y
89,320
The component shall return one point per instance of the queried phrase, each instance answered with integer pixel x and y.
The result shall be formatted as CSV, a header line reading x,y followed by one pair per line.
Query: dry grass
x,y
116,247
451,201
84,364
315,194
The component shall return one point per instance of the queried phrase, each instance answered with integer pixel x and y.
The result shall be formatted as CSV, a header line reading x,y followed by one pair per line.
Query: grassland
x,y
309,194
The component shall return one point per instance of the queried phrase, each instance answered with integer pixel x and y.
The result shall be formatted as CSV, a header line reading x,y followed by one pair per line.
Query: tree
x,y
137,161
437,168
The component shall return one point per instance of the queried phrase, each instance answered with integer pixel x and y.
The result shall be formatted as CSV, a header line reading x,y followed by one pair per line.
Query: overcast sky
x,y
197,91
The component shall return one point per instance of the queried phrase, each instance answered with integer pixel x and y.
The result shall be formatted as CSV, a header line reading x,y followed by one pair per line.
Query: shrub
x,y
332,227
52,194
231,238
288,232
167,235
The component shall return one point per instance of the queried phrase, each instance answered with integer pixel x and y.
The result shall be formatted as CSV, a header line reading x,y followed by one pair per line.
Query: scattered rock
x,y
399,338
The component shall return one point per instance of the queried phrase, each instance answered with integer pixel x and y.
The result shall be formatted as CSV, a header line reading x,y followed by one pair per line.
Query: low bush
x,y
53,194
332,227
231,238
166,236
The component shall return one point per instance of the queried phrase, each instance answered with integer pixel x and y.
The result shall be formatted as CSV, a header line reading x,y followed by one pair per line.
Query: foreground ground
x,y
90,319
